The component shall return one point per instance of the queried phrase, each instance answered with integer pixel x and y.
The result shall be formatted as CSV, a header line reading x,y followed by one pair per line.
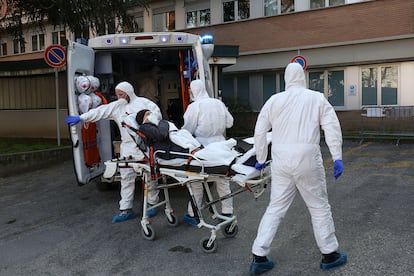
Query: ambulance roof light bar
x,y
131,39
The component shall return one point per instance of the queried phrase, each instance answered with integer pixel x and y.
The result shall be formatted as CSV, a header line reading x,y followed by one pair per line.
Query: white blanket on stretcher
x,y
223,154
212,155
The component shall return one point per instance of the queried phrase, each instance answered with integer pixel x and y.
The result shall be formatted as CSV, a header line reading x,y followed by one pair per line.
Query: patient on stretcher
x,y
229,157
157,134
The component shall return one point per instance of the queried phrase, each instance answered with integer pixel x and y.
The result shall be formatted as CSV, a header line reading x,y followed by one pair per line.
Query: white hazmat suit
x,y
207,119
295,117
118,111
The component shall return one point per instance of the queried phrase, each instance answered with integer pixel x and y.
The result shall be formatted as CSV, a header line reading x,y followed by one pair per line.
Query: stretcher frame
x,y
227,225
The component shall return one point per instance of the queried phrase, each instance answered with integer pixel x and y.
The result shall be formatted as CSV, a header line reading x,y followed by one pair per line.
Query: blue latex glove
x,y
260,166
338,168
72,120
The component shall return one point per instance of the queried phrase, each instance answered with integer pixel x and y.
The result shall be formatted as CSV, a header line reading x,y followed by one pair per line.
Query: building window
x,y
269,86
139,23
227,92
236,10
38,42
243,88
287,6
4,49
163,20
318,4
331,83
59,38
336,88
192,19
379,85
270,7
198,18
204,17
336,2
274,7
18,46
236,93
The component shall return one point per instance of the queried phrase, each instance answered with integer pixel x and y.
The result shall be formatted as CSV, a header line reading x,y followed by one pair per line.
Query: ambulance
x,y
160,66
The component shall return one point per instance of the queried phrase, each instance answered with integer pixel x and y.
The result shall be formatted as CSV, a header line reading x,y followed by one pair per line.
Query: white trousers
x,y
128,176
222,187
303,172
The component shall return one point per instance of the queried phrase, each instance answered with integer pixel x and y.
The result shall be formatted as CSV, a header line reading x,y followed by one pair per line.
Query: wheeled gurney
x,y
158,173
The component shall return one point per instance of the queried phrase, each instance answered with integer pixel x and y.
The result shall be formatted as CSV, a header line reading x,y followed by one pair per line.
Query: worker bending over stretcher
x,y
295,117
118,110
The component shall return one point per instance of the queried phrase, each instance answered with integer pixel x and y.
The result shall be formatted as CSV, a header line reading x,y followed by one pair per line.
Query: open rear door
x,y
80,61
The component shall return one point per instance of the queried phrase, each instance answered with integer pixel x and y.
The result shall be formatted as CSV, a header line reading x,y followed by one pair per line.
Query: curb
x,y
16,163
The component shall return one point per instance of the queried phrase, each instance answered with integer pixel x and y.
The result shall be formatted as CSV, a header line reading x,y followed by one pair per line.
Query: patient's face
x,y
145,120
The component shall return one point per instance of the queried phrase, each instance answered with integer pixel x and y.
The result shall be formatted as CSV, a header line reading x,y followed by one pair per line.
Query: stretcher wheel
x,y
230,234
208,249
151,233
173,221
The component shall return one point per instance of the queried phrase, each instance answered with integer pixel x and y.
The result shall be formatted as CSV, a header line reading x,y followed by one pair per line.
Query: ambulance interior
x,y
159,74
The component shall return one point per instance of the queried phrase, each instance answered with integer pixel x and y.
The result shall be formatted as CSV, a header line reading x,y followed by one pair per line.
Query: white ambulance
x,y
159,65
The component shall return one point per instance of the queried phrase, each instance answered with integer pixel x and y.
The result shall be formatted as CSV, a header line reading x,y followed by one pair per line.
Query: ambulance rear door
x,y
80,61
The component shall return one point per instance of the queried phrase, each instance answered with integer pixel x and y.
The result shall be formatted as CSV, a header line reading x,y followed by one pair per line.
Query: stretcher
x,y
158,173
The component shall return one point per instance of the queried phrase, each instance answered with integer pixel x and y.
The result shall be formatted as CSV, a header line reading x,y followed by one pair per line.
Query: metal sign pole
x,y
57,106
55,56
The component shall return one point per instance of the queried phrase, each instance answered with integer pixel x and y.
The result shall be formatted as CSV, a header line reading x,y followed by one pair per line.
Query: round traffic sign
x,y
55,55
301,60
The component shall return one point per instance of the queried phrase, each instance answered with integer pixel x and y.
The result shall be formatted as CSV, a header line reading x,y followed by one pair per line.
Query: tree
x,y
77,15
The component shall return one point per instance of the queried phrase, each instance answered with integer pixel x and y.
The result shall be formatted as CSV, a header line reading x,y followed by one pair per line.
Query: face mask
x,y
153,118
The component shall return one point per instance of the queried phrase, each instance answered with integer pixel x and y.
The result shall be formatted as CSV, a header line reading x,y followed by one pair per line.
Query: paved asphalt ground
x,y
51,226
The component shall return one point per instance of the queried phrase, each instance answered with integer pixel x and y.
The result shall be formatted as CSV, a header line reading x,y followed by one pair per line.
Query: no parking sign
x,y
301,60
55,55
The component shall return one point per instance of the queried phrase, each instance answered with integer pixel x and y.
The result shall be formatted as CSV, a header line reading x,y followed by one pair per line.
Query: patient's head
x,y
142,115
146,116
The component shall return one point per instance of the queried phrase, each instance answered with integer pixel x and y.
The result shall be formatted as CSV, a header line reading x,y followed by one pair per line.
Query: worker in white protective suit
x,y
207,119
127,103
295,117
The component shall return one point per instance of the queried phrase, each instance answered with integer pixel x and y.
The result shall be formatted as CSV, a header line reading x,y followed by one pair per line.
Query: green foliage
x,y
234,105
76,15
17,145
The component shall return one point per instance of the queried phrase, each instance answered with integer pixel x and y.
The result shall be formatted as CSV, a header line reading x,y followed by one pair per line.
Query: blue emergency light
x,y
207,39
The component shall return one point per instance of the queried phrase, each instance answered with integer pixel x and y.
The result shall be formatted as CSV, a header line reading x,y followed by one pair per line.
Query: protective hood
x,y
128,89
198,90
82,84
94,81
294,76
